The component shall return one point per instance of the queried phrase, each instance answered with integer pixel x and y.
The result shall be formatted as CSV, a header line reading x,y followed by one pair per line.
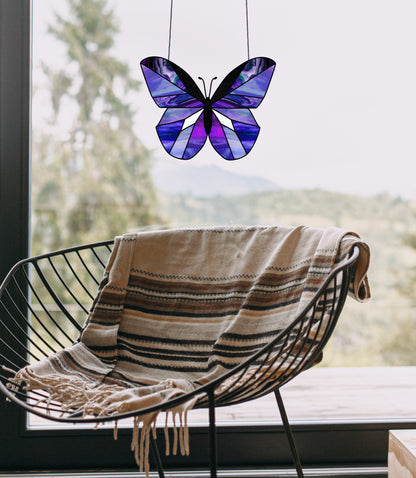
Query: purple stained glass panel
x,y
172,115
256,86
164,68
252,68
197,139
179,146
168,134
237,149
241,115
237,101
247,133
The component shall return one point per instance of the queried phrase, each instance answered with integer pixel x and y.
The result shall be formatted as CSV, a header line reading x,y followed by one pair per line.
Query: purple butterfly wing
x,y
234,129
246,85
233,132
180,130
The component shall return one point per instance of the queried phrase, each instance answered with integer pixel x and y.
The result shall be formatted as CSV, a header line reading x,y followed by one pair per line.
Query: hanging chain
x,y
170,27
248,39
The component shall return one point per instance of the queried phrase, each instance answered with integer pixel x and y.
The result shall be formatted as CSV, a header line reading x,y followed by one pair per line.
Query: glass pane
x,y
336,148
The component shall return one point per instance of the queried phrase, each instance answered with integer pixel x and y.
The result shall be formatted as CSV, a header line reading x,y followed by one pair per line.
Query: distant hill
x,y
207,181
376,215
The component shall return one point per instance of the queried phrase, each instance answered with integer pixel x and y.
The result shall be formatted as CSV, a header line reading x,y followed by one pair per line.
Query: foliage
x,y
91,174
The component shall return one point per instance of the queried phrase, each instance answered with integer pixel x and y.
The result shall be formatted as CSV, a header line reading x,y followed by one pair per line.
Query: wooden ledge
x,y
402,454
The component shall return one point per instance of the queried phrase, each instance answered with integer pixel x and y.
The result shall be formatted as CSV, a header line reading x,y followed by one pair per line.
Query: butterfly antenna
x,y
210,85
205,89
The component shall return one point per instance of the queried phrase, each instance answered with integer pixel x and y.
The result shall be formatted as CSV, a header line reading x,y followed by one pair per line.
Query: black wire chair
x,y
43,304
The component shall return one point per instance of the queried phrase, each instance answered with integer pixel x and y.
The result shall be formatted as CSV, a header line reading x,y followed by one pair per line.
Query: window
x,y
306,100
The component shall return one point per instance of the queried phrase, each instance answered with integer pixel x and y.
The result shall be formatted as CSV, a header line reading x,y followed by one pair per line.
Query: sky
x,y
340,112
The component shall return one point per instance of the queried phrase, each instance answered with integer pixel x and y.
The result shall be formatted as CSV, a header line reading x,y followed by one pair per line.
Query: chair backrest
x,y
44,301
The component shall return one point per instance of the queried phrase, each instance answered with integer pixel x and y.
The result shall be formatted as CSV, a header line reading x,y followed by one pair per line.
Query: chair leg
x,y
289,434
213,457
156,456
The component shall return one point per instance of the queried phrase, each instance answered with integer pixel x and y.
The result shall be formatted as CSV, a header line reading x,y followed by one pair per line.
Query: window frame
x,y
350,444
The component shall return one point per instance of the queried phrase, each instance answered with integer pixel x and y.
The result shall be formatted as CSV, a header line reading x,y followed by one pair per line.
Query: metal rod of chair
x,y
289,433
156,456
213,453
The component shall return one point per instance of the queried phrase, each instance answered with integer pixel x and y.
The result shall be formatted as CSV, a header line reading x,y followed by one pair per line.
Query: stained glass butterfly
x,y
191,116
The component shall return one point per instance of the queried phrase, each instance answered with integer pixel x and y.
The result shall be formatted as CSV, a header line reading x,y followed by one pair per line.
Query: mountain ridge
x,y
207,181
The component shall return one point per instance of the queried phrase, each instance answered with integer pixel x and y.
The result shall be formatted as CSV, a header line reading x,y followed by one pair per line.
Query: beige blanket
x,y
178,308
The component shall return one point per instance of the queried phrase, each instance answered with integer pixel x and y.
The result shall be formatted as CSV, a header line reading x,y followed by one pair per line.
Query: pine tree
x,y
91,173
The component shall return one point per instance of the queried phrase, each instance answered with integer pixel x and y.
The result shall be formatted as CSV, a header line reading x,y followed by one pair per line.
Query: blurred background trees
x,y
91,173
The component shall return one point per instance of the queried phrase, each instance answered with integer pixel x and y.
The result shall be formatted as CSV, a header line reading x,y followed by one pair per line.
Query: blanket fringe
x,y
89,399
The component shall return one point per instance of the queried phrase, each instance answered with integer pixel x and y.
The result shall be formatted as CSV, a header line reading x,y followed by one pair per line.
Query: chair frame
x,y
18,339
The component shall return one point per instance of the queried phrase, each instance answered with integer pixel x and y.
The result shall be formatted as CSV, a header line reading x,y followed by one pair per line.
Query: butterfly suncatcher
x,y
191,116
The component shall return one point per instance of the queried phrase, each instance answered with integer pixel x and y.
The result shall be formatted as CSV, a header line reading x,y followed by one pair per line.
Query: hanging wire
x,y
248,39
170,27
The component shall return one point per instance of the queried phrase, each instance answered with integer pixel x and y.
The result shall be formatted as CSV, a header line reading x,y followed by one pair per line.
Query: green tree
x,y
91,173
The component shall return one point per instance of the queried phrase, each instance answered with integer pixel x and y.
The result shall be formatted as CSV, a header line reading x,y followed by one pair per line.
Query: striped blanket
x,y
178,308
